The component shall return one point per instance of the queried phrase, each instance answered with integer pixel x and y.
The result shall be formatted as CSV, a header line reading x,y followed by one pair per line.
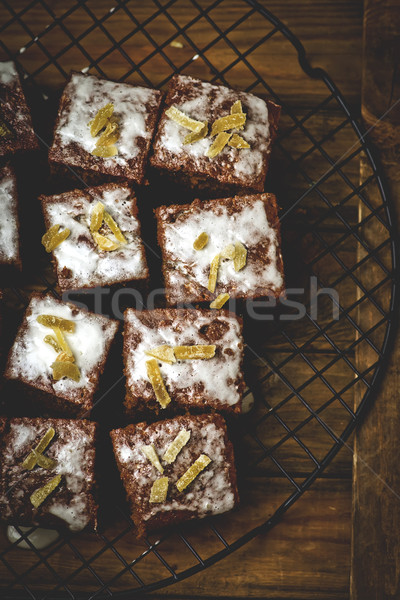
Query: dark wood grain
x,y
376,485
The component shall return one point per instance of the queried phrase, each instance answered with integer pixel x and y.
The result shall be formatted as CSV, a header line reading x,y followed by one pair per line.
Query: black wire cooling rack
x,y
305,375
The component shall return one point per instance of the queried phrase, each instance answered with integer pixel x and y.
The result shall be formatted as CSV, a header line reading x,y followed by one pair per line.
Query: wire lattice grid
x,y
304,372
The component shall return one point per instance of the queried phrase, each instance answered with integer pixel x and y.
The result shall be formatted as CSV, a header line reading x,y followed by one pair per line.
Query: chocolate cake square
x,y
192,479
9,222
66,462
234,168
80,260
16,130
135,112
250,221
77,339
213,382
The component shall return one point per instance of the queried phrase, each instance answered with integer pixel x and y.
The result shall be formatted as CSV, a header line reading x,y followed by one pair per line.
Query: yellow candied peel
x,y
201,241
176,446
58,322
195,136
159,490
109,136
64,357
53,237
5,131
150,453
101,119
105,151
240,257
212,279
41,494
109,221
103,242
97,216
237,141
179,117
218,144
62,342
156,380
219,301
51,340
236,108
164,353
228,252
228,122
193,471
62,369
194,352
31,460
45,462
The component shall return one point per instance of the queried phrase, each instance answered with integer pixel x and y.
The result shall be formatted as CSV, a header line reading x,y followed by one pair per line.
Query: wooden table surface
x,y
307,555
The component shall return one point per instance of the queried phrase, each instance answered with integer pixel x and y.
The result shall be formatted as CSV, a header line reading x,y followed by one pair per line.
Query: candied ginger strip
x,y
48,236
51,340
105,151
53,321
228,252
104,243
159,490
109,136
97,216
237,141
62,342
195,136
212,279
65,369
176,446
156,380
164,353
201,241
101,119
114,228
41,494
194,352
228,122
218,144
150,453
179,117
31,460
236,107
219,301
193,471
240,258
45,462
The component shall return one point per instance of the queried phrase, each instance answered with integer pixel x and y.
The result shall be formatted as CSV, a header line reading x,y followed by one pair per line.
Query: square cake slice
x,y
210,377
9,222
65,460
241,164
243,224
176,470
116,144
16,130
85,260
58,355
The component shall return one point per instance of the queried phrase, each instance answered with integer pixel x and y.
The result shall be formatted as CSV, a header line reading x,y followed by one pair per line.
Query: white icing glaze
x,y
217,374
78,253
88,94
9,247
211,491
39,537
248,225
246,163
31,357
8,72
